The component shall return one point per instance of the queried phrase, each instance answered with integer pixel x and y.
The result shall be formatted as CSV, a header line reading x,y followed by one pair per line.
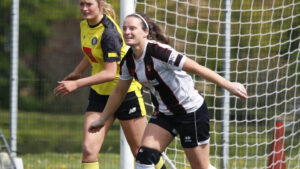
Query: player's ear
x,y
147,34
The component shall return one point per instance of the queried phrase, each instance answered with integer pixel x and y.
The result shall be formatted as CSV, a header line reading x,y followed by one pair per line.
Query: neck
x,y
96,20
138,50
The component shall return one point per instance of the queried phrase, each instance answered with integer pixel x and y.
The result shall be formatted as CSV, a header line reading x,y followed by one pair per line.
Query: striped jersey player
x,y
180,109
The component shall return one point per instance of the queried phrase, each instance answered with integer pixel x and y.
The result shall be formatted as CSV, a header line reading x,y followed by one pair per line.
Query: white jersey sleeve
x,y
174,57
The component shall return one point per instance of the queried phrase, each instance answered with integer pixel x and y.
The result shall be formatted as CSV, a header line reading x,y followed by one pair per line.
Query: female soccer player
x,y
103,46
180,108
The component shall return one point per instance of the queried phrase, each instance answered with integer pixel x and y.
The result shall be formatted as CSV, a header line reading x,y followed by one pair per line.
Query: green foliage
x,y
4,81
4,55
35,20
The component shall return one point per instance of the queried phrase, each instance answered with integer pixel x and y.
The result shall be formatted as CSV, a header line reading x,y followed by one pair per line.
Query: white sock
x,y
144,166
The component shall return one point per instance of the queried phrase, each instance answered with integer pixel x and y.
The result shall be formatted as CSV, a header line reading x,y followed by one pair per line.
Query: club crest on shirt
x,y
148,68
94,41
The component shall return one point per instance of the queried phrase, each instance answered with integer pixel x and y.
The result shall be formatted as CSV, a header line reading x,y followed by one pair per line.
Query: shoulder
x,y
159,50
128,60
111,33
127,64
127,57
109,23
158,47
110,28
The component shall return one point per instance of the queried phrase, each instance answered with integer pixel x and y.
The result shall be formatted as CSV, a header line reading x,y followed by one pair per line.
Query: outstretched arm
x,y
234,87
113,103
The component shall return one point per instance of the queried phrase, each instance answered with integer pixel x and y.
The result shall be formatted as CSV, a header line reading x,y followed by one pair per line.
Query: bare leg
x,y
156,137
134,130
198,156
92,142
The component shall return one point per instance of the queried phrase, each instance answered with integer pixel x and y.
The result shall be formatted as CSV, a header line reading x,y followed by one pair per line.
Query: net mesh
x,y
264,56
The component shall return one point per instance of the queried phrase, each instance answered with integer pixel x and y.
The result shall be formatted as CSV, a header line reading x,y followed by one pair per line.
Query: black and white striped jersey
x,y
160,70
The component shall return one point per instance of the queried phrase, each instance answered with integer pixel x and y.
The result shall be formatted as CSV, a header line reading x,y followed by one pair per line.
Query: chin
x,y
129,43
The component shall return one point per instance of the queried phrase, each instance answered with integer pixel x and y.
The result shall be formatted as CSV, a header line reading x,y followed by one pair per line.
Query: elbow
x,y
111,76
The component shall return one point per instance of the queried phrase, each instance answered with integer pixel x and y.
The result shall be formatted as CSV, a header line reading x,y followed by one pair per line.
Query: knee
x,y
148,156
88,151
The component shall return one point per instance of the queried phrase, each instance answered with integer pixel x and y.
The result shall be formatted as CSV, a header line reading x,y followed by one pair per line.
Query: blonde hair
x,y
108,9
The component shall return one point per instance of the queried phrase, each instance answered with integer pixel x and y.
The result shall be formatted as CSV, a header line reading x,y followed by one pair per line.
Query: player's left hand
x,y
96,125
239,90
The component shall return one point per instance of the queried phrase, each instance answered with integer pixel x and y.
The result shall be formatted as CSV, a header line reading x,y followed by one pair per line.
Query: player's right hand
x,y
65,87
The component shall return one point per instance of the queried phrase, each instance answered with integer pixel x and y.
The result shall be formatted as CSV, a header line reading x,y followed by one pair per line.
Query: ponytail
x,y
109,10
156,33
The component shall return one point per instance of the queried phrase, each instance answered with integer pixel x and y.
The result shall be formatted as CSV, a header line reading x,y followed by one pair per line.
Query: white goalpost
x,y
253,42
126,157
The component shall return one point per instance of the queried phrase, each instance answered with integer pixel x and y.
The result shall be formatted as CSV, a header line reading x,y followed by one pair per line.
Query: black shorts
x,y
193,128
132,107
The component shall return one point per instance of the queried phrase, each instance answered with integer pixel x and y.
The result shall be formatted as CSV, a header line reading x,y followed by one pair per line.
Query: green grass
x,y
50,132
53,141
66,161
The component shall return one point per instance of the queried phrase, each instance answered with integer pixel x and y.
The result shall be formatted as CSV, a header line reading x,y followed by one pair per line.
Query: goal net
x,y
253,42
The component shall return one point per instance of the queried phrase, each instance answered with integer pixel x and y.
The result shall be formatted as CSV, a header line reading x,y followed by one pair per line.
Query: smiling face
x,y
133,31
91,10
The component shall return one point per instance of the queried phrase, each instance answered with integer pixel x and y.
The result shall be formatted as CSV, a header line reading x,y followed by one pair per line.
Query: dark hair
x,y
155,32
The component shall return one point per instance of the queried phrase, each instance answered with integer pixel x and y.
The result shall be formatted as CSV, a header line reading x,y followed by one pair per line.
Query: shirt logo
x,y
88,52
94,41
132,110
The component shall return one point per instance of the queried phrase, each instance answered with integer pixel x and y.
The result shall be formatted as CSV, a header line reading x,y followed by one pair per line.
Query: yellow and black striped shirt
x,y
104,43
